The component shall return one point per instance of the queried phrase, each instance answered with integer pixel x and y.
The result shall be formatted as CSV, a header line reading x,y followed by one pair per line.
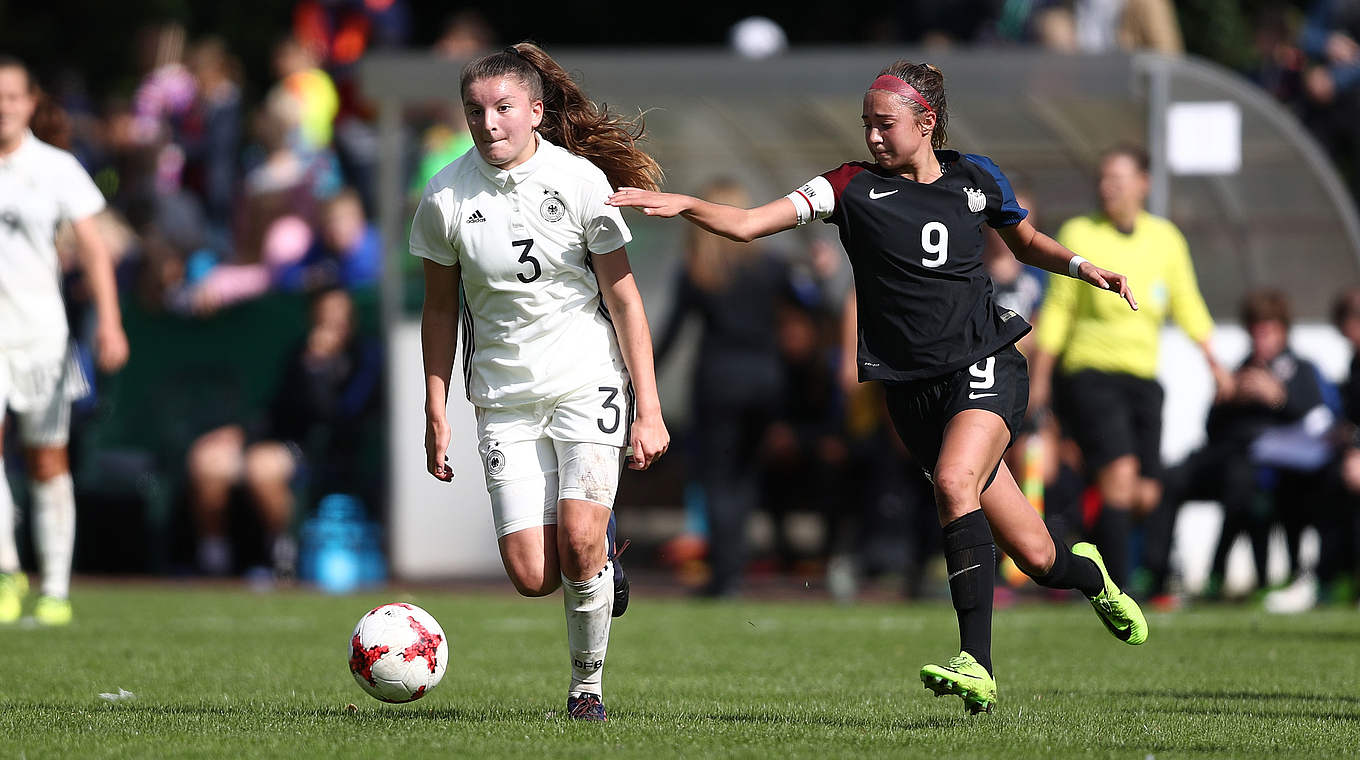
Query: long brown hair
x,y
570,119
712,259
929,81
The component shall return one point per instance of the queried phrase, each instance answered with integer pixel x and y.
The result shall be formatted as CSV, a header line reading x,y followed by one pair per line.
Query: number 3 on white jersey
x,y
935,240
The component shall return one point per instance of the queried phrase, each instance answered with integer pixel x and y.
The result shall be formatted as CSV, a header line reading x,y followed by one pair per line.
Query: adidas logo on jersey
x,y
977,201
476,217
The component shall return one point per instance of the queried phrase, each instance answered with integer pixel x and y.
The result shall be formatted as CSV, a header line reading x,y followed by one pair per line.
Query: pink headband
x,y
898,85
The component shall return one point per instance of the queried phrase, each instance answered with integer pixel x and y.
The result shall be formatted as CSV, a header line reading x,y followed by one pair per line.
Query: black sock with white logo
x,y
1071,571
971,561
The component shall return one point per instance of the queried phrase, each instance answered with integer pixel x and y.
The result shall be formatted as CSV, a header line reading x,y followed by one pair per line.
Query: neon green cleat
x,y
962,676
52,611
13,588
1116,609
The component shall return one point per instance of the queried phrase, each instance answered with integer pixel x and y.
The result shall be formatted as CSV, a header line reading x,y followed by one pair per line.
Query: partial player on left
x,y
42,187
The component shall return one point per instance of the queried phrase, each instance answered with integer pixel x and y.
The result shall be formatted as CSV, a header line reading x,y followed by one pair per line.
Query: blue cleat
x,y
587,707
620,577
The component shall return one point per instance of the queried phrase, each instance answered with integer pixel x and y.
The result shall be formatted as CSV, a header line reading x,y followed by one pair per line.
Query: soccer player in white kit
x,y
556,351
42,187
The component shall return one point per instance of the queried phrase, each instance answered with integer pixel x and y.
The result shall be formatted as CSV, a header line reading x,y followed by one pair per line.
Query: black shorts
x,y
921,409
1111,415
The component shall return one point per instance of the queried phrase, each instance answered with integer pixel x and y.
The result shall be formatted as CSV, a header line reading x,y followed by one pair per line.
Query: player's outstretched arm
x,y
649,437
110,340
438,342
740,224
1039,250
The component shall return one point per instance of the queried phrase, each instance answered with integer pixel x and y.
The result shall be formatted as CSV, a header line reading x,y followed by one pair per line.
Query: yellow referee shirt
x,y
1093,329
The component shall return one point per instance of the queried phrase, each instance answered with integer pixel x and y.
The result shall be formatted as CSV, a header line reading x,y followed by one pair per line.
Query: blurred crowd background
x,y
239,158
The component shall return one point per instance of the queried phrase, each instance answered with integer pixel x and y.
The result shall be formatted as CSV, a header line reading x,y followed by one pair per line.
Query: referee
x,y
1108,399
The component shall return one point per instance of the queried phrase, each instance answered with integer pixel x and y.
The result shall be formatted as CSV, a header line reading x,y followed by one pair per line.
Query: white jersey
x,y
534,326
40,187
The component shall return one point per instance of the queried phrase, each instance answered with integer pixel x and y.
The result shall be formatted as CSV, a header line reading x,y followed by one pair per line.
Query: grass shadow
x,y
1241,695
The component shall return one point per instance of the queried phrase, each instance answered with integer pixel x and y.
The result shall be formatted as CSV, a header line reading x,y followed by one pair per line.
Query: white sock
x,y
54,532
9,551
590,604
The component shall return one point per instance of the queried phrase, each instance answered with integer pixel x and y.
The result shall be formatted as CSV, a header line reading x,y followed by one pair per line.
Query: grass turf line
x,y
223,673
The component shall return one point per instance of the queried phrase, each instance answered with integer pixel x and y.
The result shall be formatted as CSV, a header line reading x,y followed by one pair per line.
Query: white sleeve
x,y
78,198
815,200
432,230
604,227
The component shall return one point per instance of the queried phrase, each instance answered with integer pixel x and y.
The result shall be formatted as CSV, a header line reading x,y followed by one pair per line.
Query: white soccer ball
x,y
398,652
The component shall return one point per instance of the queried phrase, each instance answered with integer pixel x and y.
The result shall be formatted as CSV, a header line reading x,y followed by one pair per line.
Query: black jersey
x,y
926,303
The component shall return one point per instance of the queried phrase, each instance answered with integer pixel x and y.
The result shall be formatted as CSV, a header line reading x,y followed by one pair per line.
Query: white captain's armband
x,y
815,200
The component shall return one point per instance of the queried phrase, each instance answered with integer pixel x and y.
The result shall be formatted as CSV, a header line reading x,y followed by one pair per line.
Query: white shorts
x,y
536,455
39,388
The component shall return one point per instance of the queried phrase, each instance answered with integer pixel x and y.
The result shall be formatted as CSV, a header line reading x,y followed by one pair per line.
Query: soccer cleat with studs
x,y
962,677
587,707
13,588
1117,610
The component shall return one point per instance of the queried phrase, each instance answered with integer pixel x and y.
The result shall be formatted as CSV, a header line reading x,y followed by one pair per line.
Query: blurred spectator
x,y
1332,105
1107,396
162,101
1102,26
736,290
1266,444
346,253
212,136
803,453
466,35
316,100
315,429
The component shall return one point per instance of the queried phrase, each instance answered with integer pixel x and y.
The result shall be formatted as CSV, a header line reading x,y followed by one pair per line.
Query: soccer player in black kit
x,y
929,328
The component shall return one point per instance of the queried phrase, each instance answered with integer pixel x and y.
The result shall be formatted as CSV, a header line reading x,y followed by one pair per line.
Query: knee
x,y
581,553
268,464
1036,557
215,457
533,582
956,486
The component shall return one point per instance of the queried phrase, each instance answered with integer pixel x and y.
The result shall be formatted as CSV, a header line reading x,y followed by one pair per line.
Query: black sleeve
x,y
681,304
1302,393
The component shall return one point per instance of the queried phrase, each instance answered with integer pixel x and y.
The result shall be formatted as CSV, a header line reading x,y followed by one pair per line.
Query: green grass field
x,y
228,673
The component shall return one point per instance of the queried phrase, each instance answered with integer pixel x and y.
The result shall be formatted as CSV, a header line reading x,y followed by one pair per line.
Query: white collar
x,y
520,173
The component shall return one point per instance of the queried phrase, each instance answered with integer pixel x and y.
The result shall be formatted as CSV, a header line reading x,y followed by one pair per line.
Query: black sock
x,y
1071,571
971,561
1112,538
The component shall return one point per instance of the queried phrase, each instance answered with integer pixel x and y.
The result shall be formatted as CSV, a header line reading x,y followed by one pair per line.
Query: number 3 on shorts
x,y
609,404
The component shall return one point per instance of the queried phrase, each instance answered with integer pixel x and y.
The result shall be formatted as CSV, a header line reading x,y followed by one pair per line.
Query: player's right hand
x,y
436,447
664,205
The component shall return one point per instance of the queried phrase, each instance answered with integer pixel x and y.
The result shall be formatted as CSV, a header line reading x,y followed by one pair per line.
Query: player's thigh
x,y
1016,525
970,455
986,410
45,422
588,479
521,479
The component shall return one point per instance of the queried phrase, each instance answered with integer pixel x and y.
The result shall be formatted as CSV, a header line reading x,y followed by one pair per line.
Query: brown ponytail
x,y
570,119
929,81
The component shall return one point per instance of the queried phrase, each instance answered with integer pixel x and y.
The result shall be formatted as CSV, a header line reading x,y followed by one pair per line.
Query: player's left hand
x,y
1107,280
648,440
112,346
